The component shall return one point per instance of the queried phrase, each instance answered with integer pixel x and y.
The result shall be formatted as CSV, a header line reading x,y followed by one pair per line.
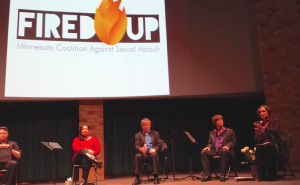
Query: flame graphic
x,y
110,22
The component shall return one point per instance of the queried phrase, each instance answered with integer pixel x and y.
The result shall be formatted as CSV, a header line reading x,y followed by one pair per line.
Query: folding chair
x,y
163,157
80,166
284,148
2,173
216,159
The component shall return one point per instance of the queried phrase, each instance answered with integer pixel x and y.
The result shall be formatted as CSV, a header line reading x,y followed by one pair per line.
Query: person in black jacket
x,y
266,134
10,152
147,144
221,142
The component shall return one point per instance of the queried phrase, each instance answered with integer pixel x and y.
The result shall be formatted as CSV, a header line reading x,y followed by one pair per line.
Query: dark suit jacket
x,y
140,140
271,134
229,139
270,131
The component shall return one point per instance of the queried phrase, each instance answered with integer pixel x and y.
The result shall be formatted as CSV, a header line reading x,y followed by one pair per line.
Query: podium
x,y
54,147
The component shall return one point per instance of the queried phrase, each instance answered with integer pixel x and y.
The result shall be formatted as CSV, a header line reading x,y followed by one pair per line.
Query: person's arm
x,y
75,145
209,143
16,152
97,146
274,127
232,140
257,136
138,143
157,142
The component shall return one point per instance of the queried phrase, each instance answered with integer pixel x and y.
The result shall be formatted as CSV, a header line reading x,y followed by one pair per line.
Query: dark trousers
x,y
266,161
205,160
140,158
12,169
81,158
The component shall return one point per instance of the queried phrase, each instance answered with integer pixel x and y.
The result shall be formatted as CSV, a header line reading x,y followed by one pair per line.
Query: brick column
x,y
91,114
278,29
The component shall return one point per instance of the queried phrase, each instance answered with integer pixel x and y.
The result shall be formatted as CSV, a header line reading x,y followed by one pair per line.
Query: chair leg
x,y
73,176
144,171
287,166
214,170
234,172
96,175
164,174
142,174
291,170
227,176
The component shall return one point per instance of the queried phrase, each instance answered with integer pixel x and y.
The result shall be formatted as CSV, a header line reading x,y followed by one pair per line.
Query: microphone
x,y
261,122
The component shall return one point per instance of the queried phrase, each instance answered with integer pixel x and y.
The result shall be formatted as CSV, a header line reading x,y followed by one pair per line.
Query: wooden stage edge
x,y
189,181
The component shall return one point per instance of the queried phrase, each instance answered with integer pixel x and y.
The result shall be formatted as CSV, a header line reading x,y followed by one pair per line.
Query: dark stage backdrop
x,y
29,123
122,120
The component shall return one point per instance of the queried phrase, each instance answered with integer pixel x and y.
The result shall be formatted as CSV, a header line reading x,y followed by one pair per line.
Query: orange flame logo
x,y
110,22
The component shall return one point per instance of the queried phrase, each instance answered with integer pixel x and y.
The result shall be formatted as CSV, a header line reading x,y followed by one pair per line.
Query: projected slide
x,y
94,48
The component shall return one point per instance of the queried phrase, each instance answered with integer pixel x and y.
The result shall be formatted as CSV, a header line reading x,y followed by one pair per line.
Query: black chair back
x,y
284,143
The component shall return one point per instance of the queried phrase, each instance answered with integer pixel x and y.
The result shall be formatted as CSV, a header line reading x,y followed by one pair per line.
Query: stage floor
x,y
189,181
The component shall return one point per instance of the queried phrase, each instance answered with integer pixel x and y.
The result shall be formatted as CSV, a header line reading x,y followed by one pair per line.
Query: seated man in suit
x,y
147,144
221,142
10,152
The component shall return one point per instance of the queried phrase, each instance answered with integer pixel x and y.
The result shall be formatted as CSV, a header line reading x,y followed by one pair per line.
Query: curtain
x,y
122,121
29,123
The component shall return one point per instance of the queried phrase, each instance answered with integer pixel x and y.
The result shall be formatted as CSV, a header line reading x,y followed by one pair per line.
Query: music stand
x,y
53,146
170,139
191,170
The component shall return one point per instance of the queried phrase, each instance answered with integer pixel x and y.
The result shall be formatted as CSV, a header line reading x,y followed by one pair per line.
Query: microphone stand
x,y
171,139
172,154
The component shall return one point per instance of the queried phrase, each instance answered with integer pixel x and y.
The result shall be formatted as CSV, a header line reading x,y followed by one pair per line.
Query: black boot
x,y
96,161
85,174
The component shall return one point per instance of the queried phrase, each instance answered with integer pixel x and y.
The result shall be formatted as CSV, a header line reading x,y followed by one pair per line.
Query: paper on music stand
x,y
55,145
190,137
52,145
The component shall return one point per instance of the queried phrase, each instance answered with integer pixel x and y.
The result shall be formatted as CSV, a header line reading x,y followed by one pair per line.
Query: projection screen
x,y
108,49
86,48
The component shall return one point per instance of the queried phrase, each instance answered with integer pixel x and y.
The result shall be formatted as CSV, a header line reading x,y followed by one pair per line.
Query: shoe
x,y
156,181
137,181
206,178
98,164
222,179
